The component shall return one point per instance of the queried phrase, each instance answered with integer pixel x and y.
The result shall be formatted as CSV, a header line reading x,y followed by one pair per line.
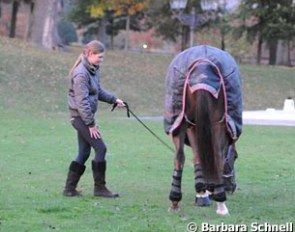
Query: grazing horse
x,y
197,114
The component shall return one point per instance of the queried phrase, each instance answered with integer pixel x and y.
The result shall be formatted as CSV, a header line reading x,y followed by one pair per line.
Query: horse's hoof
x,y
202,201
174,208
222,209
223,212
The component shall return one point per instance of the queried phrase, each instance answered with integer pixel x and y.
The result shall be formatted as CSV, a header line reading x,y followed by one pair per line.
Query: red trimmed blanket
x,y
209,68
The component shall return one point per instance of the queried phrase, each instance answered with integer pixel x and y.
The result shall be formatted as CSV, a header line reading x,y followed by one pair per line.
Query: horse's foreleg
x,y
179,157
220,198
175,195
202,197
222,209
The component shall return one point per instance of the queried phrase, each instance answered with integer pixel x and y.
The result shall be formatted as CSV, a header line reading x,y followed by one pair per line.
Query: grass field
x,y
37,144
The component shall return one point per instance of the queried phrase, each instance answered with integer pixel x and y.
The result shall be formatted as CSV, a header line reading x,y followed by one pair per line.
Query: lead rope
x,y
142,123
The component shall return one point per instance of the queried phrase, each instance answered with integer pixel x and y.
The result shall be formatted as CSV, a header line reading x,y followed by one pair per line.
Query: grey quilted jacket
x,y
85,91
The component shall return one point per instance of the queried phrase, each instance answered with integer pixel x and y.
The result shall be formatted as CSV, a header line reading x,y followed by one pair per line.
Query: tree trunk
x,y
222,40
184,37
259,49
38,21
102,36
80,33
0,9
283,53
30,22
112,36
51,38
112,41
127,32
44,27
273,52
15,5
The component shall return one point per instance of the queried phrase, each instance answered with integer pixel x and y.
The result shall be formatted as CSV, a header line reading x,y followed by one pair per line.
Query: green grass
x,y
267,86
37,144
32,79
35,157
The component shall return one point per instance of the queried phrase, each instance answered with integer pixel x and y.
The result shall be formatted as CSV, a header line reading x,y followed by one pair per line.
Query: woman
x,y
84,93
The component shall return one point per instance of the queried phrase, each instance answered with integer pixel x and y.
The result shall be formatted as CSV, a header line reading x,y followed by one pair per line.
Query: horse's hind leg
x,y
175,195
202,197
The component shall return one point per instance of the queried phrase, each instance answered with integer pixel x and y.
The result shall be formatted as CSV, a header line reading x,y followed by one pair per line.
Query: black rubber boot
x,y
76,170
100,189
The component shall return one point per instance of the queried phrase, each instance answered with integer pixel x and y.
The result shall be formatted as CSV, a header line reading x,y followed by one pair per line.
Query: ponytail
x,y
78,61
94,46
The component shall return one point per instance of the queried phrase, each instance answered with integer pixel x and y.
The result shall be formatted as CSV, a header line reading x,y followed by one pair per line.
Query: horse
x,y
203,125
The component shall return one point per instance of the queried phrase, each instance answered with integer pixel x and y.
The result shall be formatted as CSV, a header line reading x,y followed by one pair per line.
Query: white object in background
x,y
289,105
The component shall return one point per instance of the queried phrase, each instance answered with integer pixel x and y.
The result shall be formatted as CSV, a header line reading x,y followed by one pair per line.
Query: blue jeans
x,y
85,142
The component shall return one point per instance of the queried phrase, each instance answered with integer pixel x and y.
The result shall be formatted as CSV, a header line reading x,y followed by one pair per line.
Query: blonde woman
x,y
84,93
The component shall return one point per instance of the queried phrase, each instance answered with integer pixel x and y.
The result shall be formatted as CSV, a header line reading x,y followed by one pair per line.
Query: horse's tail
x,y
207,138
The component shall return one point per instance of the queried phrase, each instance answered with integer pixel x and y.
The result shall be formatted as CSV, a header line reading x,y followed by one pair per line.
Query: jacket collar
x,y
90,67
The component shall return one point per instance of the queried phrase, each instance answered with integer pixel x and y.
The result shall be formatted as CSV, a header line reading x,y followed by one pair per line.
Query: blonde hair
x,y
94,46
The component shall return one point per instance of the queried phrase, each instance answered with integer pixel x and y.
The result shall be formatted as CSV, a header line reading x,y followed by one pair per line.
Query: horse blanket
x,y
208,68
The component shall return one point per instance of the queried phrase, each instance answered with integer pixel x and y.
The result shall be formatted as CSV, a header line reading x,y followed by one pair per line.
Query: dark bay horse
x,y
202,123
205,128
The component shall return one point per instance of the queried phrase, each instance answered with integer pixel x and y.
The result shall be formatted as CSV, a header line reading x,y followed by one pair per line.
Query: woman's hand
x,y
120,103
94,132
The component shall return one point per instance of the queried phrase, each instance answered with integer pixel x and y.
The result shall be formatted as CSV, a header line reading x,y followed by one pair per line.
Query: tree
x,y
30,21
46,14
252,22
167,24
281,31
127,8
15,5
224,14
14,12
267,21
51,38
107,17
284,53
